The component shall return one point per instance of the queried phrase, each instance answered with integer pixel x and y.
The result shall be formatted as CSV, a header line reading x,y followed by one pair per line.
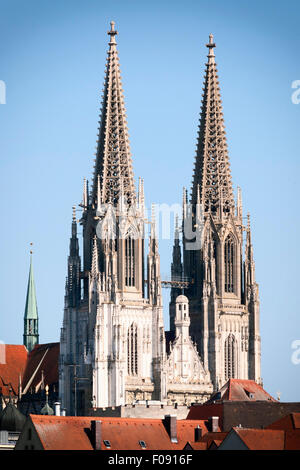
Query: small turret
x,y
182,318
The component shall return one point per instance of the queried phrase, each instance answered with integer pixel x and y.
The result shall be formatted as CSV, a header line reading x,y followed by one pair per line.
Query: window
x,y
142,444
107,444
132,356
230,357
129,262
229,263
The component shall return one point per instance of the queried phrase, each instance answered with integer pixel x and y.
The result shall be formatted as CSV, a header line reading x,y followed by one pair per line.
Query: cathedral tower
x,y
112,340
222,291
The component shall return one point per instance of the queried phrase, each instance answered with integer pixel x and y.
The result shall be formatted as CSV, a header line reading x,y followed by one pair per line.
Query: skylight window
x,y
107,444
142,444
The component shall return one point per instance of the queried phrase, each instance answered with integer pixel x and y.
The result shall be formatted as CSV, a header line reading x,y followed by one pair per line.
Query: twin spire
x,y
113,168
212,177
113,175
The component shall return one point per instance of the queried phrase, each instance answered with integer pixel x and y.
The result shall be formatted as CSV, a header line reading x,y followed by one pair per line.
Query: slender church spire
x,y
74,263
113,157
212,168
31,329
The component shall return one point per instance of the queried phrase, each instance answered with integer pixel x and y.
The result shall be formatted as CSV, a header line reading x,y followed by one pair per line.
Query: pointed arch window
x,y
129,261
229,263
132,351
230,357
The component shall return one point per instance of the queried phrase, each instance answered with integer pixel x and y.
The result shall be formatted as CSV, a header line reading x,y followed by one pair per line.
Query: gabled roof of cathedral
x,y
212,176
31,311
113,158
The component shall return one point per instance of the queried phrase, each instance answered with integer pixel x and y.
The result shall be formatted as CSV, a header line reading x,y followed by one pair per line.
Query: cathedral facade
x,y
114,349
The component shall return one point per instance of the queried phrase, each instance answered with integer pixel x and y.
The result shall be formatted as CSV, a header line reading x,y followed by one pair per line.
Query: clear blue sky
x,y
52,58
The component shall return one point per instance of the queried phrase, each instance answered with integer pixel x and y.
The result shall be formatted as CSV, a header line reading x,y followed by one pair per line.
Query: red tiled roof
x,y
240,390
212,436
15,361
71,433
196,446
291,425
207,439
62,433
289,422
261,439
186,430
215,442
43,357
292,440
205,411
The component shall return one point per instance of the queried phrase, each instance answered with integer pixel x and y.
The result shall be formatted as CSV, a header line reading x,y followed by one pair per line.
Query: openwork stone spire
x,y
113,158
212,168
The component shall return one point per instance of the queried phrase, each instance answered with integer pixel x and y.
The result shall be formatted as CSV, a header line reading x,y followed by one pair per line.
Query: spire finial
x,y
74,213
112,33
31,244
211,45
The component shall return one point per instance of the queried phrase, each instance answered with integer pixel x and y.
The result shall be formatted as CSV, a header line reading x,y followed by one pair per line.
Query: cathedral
x,y
114,349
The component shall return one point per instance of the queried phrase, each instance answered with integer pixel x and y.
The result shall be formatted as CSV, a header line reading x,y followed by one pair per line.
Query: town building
x,y
108,433
11,425
243,403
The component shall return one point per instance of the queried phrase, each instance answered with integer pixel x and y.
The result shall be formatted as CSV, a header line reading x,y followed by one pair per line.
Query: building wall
x,y
150,411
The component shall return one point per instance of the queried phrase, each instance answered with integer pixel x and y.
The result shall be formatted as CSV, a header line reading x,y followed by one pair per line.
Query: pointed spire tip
x,y
112,33
211,45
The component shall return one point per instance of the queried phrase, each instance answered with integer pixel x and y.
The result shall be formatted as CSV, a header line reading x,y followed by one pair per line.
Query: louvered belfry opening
x,y
230,354
129,261
229,264
132,356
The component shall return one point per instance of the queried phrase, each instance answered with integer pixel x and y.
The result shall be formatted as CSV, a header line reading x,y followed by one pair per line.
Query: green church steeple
x,y
31,321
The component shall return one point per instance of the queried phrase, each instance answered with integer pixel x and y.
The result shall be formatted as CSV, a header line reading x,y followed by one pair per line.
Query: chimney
x,y
198,433
57,408
63,412
213,423
170,423
96,434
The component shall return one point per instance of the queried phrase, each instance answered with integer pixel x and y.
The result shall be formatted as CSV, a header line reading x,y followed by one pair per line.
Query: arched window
x,y
129,262
230,357
229,263
132,354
